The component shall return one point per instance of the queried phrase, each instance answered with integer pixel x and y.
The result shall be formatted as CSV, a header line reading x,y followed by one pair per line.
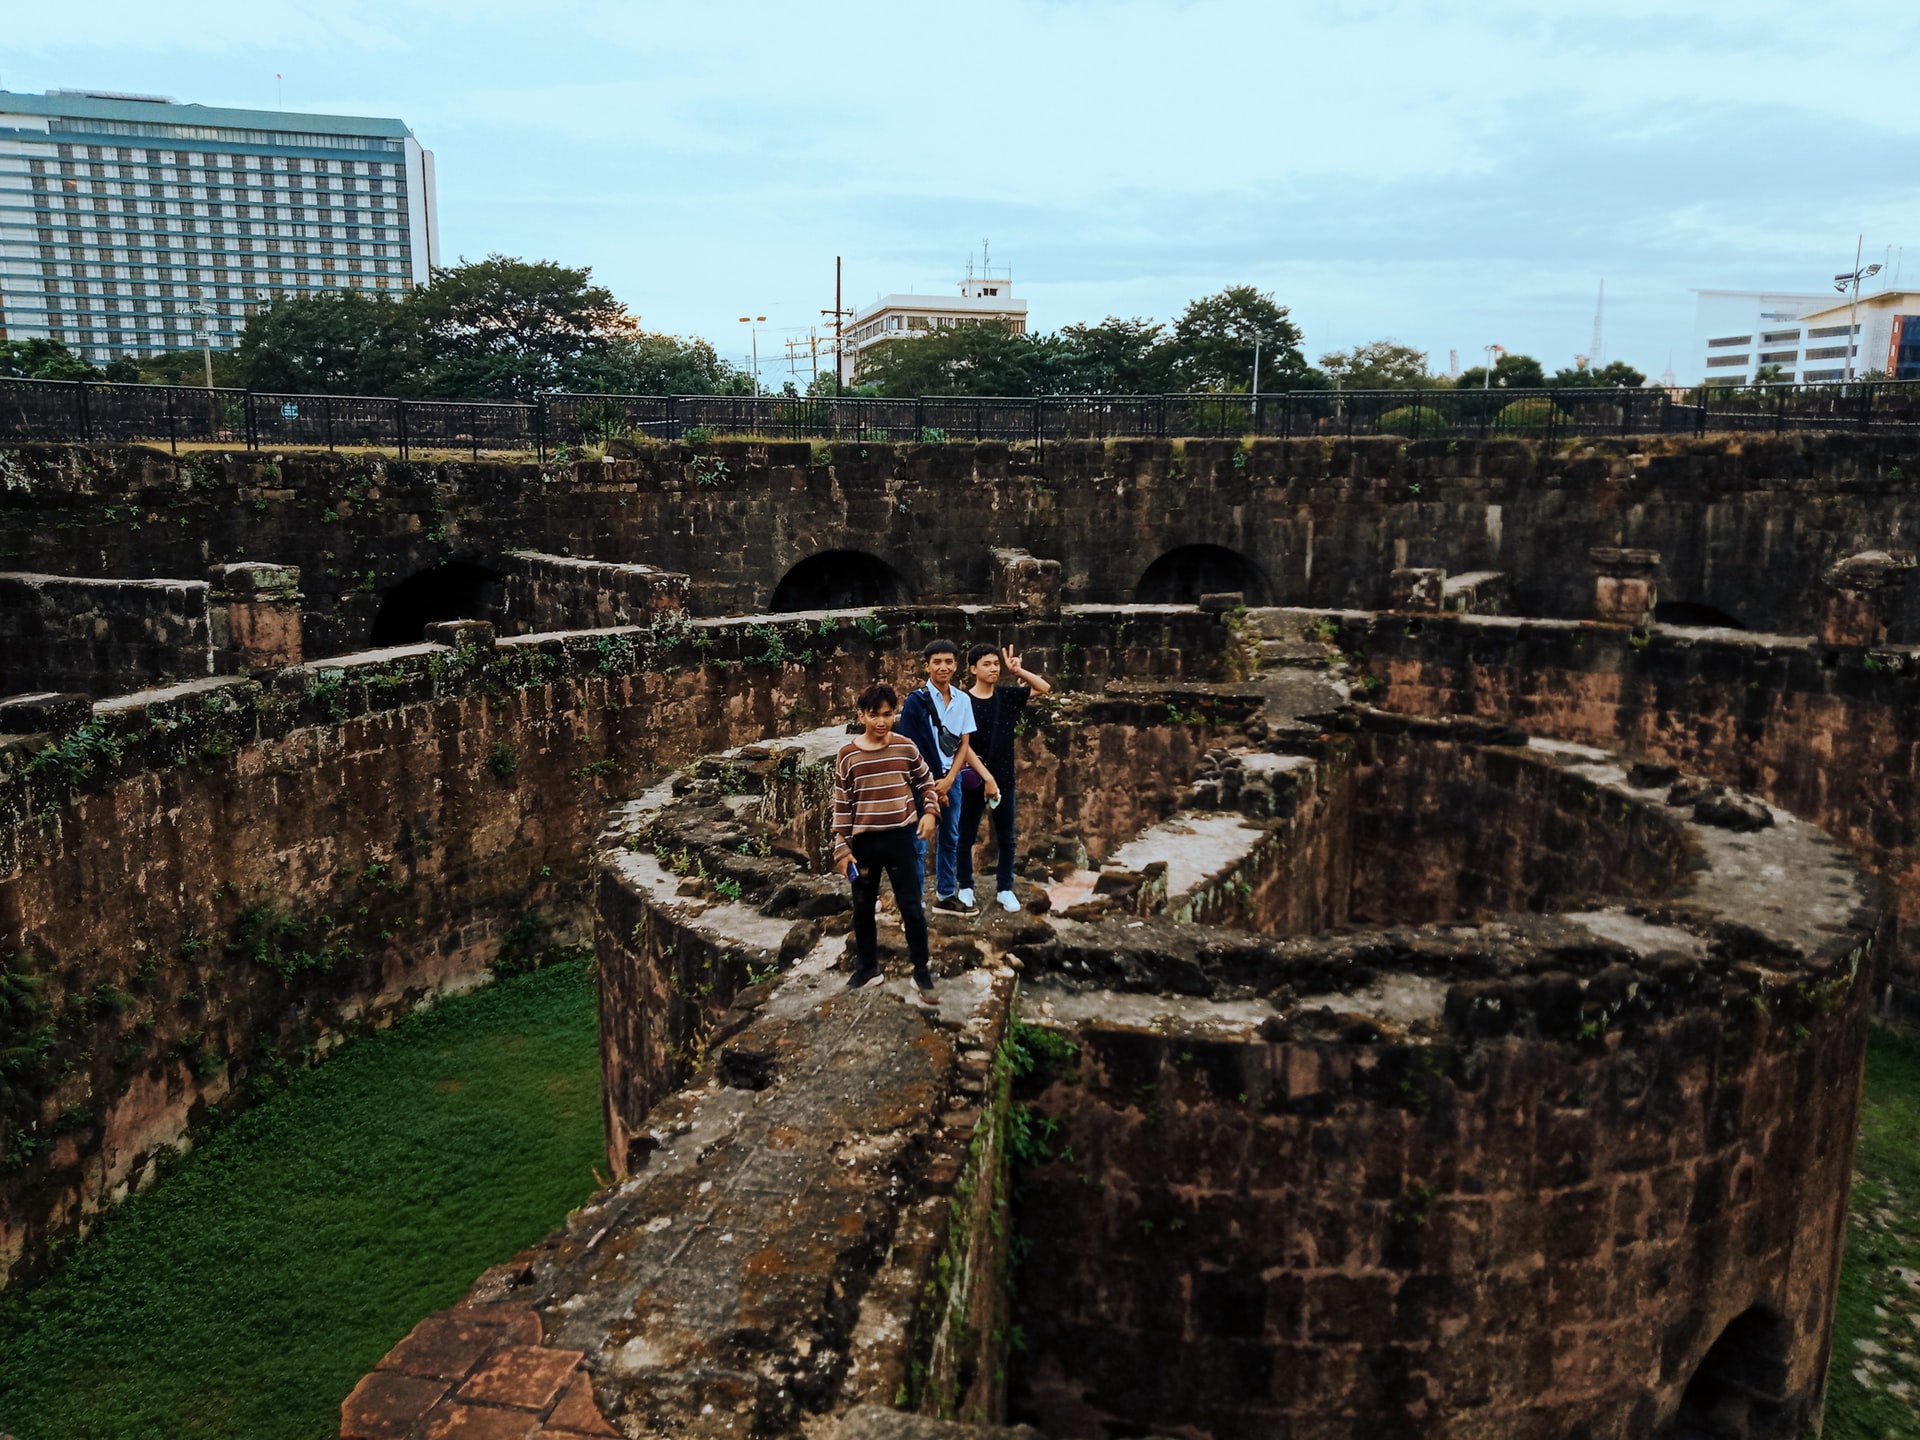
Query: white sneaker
x,y
966,898
1007,900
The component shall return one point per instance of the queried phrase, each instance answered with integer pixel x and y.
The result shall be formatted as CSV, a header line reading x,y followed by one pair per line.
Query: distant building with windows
x,y
120,214
1811,338
985,297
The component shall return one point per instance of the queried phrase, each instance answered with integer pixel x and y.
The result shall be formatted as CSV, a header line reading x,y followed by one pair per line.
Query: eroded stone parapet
x,y
1626,585
47,713
1021,579
1478,592
1863,595
562,592
101,635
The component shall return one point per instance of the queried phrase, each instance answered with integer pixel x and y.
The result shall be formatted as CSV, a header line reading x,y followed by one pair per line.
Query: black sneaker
x,y
861,979
954,905
923,988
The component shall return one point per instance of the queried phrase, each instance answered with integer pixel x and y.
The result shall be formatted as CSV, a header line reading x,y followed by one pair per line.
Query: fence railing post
x,y
540,429
173,429
400,425
80,406
253,433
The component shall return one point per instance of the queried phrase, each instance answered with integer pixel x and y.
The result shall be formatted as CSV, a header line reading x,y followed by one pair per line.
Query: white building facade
x,y
122,216
1736,332
985,298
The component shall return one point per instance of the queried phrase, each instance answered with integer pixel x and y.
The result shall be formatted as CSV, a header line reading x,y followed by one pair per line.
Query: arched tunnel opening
x,y
1182,576
455,590
1689,612
839,580
1740,1388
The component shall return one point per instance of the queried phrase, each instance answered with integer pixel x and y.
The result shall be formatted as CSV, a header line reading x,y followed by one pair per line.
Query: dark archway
x,y
1687,612
838,580
1740,1390
457,590
1182,576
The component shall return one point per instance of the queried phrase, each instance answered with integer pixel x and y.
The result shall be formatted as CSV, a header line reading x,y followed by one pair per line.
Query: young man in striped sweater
x,y
883,794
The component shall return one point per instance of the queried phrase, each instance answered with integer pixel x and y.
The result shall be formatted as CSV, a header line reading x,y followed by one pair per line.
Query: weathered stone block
x,y
1864,593
1416,588
468,634
1626,585
1021,579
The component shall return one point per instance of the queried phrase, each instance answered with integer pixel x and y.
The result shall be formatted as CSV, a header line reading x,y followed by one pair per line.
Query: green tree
x,y
1115,357
509,329
1510,372
1213,343
651,364
189,367
1614,375
42,360
338,342
1379,365
986,359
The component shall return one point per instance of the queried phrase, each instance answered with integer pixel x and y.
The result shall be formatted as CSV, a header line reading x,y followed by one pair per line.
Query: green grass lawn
x,y
1876,1341
246,1294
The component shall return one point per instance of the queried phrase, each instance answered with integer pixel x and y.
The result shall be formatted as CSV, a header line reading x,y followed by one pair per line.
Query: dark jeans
x,y
894,852
973,804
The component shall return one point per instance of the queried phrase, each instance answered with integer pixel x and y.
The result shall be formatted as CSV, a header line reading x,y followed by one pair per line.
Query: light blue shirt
x,y
955,715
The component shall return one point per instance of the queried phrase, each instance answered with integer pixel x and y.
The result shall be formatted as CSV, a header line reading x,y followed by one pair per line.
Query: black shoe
x,y
954,905
861,979
923,988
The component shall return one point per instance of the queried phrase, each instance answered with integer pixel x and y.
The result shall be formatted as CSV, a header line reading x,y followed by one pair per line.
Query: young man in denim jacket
x,y
938,717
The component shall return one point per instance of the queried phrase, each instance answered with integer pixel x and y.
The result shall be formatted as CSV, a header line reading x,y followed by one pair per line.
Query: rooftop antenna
x,y
1594,350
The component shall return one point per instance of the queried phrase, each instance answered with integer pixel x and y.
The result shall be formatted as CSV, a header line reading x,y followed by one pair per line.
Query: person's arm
x,y
1025,676
842,817
960,759
921,778
979,768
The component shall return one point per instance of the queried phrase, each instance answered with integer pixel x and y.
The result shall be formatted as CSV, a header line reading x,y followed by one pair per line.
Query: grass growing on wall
x,y
1873,1388
250,1290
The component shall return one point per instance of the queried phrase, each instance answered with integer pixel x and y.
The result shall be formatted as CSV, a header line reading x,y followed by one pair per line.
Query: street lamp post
x,y
206,312
1851,281
753,324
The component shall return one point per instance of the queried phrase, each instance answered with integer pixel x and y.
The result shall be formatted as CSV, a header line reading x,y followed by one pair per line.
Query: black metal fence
x,y
86,411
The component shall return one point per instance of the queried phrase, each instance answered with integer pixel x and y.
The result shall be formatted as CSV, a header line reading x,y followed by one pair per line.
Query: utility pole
x,y
838,314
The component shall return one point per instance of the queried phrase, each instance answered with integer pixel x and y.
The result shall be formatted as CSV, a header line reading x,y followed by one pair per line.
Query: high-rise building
x,y
129,222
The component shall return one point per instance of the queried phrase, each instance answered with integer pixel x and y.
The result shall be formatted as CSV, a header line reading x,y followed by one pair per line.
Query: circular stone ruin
x,y
1342,1069
1402,1073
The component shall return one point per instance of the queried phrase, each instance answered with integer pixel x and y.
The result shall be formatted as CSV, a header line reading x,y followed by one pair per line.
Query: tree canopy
x,y
1614,375
1379,365
42,360
1510,372
497,328
1210,347
1213,342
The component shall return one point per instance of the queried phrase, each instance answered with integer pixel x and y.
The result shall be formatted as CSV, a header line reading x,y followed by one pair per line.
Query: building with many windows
x,y
985,297
1807,338
128,222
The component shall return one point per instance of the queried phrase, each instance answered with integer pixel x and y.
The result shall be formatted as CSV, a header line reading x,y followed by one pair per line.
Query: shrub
x,y
1524,417
1414,423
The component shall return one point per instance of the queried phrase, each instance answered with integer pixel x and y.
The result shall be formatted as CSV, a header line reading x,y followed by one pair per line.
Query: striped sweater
x,y
875,790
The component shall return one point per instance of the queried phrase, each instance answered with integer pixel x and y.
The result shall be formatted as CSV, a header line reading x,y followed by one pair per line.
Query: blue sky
x,y
1413,171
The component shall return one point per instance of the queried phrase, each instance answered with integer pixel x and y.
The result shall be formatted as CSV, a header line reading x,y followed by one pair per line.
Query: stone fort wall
x,y
1746,526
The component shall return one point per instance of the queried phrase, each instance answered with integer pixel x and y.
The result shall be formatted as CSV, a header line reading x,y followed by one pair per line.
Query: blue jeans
x,y
946,854
1000,821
